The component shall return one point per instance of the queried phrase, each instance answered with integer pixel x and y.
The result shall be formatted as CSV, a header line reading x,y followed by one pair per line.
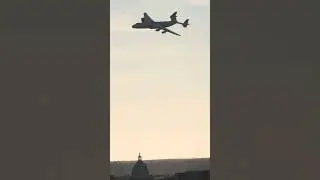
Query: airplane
x,y
148,23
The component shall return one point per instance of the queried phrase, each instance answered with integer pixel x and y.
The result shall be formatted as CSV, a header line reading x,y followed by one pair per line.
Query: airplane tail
x,y
185,23
173,17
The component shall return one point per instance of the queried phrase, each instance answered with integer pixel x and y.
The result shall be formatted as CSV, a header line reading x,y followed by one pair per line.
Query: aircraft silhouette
x,y
148,23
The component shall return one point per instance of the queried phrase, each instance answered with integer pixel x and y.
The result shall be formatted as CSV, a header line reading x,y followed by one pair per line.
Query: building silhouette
x,y
193,175
140,171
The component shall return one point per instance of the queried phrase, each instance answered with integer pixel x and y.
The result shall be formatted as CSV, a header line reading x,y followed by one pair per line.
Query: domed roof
x,y
140,169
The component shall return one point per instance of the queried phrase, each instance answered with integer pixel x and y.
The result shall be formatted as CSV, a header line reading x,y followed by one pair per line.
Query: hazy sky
x,y
160,89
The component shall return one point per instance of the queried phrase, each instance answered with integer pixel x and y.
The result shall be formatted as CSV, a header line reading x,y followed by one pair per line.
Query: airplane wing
x,y
147,18
168,30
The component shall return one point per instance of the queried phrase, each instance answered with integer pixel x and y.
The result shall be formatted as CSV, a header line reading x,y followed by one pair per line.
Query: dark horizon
x,y
161,167
146,160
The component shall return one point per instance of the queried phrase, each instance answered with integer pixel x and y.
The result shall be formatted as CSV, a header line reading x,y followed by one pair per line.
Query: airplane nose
x,y
133,26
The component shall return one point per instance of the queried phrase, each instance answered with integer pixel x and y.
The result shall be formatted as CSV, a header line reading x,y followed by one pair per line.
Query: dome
x,y
140,170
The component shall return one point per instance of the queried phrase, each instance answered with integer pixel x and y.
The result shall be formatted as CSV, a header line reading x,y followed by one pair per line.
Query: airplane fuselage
x,y
154,25
148,23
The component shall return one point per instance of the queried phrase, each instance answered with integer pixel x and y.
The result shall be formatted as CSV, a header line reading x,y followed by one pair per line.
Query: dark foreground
x,y
188,175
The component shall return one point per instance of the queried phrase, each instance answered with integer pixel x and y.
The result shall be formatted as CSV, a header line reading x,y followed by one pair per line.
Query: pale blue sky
x,y
160,89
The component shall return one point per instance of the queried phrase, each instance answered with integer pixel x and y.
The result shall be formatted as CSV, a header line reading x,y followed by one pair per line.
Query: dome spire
x,y
140,170
139,157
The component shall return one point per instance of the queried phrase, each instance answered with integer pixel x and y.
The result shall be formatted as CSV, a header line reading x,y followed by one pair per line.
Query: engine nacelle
x,y
142,19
